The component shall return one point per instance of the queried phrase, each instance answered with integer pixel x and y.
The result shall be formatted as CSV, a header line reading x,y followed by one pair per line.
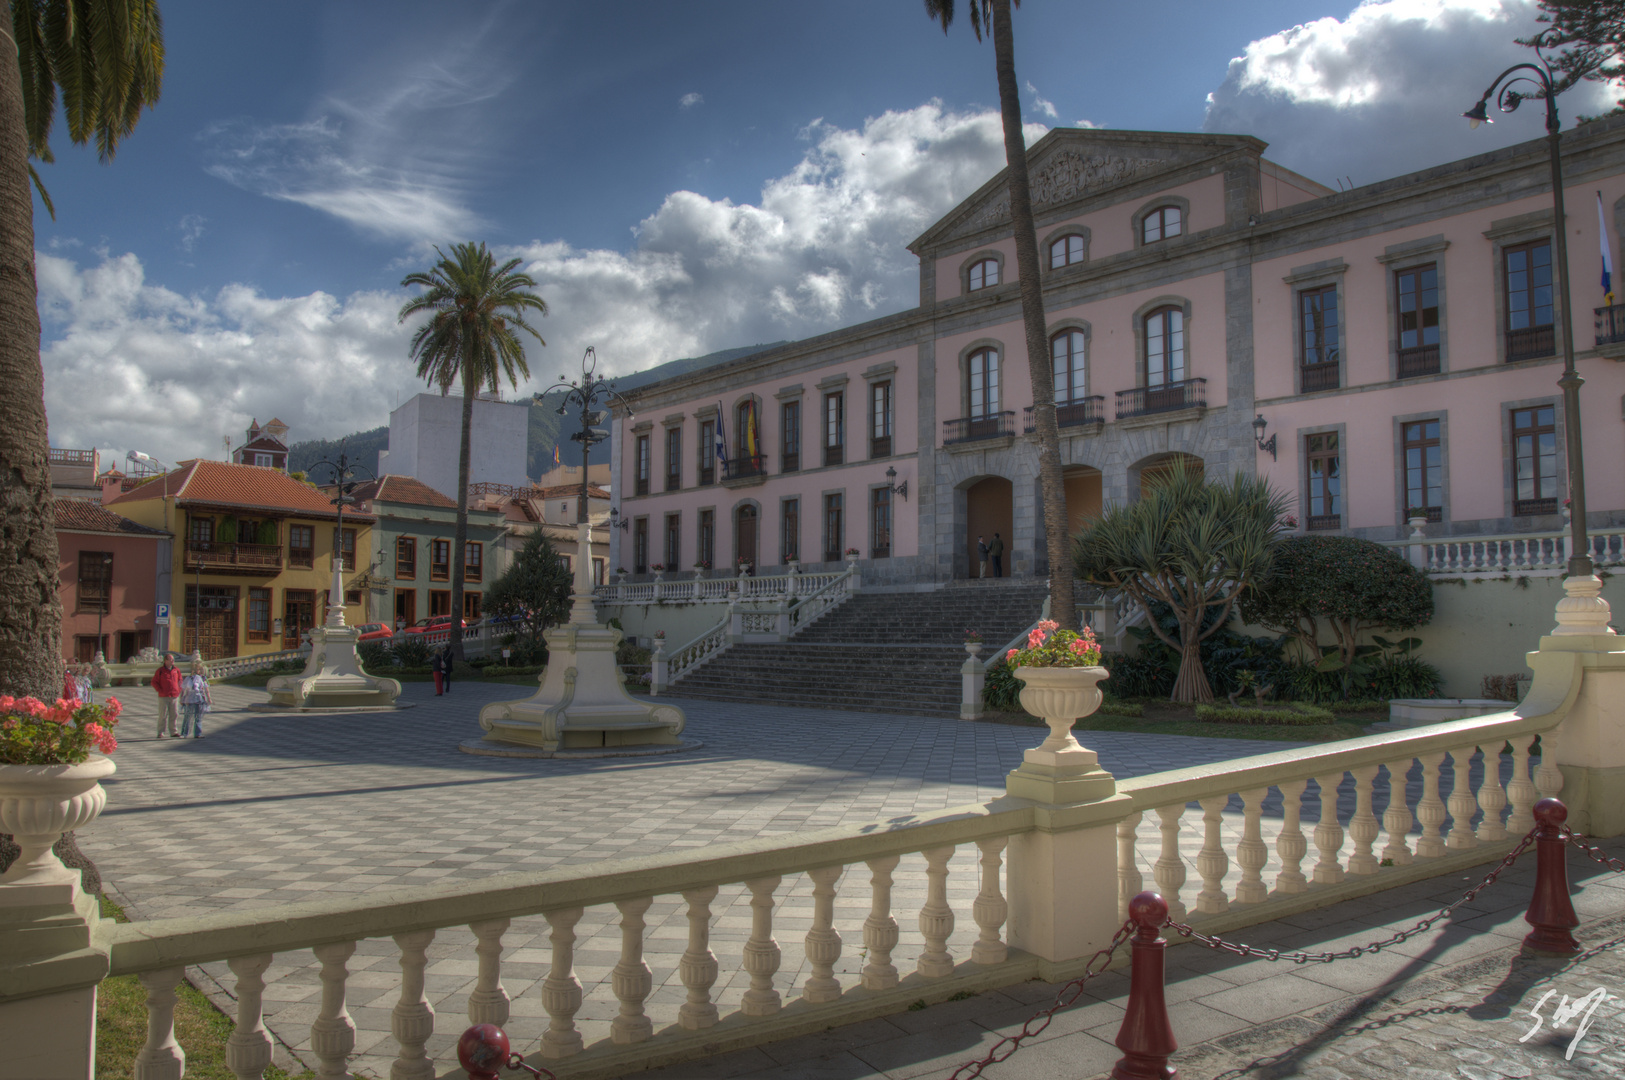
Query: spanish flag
x,y
555,455
1607,255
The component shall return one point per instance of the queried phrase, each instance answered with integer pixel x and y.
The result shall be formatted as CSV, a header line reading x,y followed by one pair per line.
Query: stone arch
x,y
1085,496
1147,469
971,260
989,508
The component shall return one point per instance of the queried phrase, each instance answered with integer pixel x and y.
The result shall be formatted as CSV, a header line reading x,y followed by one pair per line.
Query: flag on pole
x,y
722,439
1607,256
749,435
555,455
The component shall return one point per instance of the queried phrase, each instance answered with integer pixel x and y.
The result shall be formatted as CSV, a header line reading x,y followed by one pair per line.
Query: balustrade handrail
x,y
1434,541
156,944
840,581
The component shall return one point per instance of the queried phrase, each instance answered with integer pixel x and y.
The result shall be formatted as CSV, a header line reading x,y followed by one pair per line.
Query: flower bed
x,y
34,733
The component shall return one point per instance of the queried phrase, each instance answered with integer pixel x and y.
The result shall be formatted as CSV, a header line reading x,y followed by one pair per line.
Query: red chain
x,y
1213,942
1068,994
517,1061
1595,854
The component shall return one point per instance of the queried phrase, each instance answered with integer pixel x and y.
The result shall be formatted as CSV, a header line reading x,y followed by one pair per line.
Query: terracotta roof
x,y
402,489
87,515
219,483
566,491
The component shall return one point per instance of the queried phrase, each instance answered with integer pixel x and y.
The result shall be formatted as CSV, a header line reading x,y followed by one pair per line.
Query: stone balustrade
x,y
695,589
1511,553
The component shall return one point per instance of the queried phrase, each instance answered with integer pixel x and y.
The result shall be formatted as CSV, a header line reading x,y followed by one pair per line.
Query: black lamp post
x,y
343,470
587,395
107,600
1540,75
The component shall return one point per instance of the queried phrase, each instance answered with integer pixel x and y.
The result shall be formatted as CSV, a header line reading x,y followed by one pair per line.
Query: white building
x,y
426,432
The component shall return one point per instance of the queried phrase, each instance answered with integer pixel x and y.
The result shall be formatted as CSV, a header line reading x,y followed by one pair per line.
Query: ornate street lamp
x,y
587,396
107,601
343,470
1540,75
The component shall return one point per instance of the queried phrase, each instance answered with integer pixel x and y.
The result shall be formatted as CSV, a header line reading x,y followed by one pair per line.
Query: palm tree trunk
x,y
1053,490
30,611
459,545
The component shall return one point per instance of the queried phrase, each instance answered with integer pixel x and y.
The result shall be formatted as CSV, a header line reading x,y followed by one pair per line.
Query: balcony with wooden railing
x,y
1084,411
1422,360
1531,343
1168,397
219,558
1611,327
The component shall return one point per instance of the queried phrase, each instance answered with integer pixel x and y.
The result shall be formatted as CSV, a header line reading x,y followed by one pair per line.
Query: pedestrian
x,y
195,700
70,686
167,681
981,555
82,678
995,551
441,666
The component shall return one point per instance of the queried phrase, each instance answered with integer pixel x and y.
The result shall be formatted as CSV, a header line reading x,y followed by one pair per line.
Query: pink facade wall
x,y
1280,187
809,483
1111,231
1474,401
134,587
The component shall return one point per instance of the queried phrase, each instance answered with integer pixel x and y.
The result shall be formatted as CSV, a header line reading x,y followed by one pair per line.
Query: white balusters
x,y
936,917
823,943
1521,789
161,1057
412,1019
630,978
561,990
1396,818
1328,833
761,951
698,967
332,1034
1289,843
1363,828
1430,808
488,1003
1251,853
1548,778
1492,798
1462,804
990,909
1129,879
1169,869
1212,862
880,929
248,1050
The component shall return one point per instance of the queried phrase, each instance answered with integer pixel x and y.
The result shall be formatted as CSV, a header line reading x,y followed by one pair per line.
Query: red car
x,y
374,631
438,626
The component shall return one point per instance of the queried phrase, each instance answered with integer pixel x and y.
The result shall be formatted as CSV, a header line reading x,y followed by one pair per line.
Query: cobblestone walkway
x,y
270,808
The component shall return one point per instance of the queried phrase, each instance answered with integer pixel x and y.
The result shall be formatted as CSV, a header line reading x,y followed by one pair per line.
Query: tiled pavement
x,y
270,808
1448,1004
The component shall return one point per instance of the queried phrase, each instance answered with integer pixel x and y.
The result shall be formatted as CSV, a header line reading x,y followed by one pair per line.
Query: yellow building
x,y
253,555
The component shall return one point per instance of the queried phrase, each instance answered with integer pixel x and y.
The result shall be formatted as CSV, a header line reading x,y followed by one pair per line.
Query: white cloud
x,y
1043,106
690,99
1381,91
191,229
822,247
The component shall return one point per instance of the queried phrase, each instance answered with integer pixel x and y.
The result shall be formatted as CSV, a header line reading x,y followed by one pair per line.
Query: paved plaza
x,y
271,808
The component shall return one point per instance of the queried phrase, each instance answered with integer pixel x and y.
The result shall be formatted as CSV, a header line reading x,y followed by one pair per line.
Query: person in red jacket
x,y
167,681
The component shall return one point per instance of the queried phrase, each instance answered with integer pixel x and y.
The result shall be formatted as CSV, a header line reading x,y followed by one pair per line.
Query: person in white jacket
x,y
195,700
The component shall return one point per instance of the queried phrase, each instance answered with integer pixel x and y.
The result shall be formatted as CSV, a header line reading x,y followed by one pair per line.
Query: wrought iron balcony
x,y
1610,326
1531,343
1317,377
1421,360
997,425
234,558
1169,397
745,466
1089,410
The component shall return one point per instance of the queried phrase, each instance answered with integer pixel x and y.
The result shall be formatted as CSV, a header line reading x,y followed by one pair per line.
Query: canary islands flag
x,y
1607,255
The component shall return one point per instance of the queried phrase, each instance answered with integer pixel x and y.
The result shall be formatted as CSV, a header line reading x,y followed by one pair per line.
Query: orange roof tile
x,y
87,515
402,489
219,483
565,491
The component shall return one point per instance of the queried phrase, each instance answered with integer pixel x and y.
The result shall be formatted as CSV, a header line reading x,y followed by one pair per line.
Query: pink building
x,y
1398,341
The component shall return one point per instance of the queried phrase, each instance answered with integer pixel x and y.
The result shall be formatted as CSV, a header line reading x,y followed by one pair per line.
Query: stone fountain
x,y
333,679
581,708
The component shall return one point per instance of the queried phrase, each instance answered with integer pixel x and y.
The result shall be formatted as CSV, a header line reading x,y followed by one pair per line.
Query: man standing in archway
x,y
995,551
981,556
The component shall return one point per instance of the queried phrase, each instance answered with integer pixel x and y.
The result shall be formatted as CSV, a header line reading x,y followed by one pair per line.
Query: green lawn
x,y
1162,718
200,1028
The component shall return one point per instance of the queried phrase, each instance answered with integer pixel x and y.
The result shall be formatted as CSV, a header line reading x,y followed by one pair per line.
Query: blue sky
x,y
679,178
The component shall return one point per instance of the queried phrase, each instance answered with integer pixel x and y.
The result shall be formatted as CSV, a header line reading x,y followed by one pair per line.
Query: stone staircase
x,y
878,652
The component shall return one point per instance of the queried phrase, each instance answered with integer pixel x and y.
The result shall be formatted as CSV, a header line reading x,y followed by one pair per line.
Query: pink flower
x,y
1035,638
7,702
1048,625
8,725
1011,655
113,708
1079,647
101,737
59,716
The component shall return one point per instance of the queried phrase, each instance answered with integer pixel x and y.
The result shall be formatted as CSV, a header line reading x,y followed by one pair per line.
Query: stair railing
x,y
666,669
837,591
973,673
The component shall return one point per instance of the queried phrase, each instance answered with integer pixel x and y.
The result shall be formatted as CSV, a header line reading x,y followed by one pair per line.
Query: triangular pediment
x,y
1072,164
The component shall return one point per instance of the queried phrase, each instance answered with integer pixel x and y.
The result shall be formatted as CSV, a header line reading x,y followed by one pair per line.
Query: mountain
x,y
547,429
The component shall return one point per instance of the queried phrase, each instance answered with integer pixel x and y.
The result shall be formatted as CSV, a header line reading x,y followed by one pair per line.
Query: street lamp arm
x,y
1508,99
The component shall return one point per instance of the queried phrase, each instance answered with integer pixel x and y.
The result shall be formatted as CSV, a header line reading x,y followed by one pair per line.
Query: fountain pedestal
x,y
333,677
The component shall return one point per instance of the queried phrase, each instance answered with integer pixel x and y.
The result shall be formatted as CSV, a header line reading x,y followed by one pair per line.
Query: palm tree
x,y
475,308
995,15
106,59
1189,543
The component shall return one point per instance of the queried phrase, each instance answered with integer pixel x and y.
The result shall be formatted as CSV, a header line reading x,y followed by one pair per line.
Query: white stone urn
x,y
1059,770
38,803
1417,524
699,573
660,575
974,648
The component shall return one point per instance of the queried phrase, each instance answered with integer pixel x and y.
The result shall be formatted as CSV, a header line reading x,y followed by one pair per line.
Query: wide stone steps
x,y
878,652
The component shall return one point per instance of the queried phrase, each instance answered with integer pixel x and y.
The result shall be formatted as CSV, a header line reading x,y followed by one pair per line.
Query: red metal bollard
x,y
1146,1037
1550,911
483,1051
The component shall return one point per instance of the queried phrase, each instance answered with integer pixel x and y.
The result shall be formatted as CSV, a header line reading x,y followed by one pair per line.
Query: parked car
x,y
437,627
374,631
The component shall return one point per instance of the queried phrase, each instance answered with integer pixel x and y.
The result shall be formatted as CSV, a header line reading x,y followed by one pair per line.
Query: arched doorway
x,y
988,511
1083,497
745,529
1164,464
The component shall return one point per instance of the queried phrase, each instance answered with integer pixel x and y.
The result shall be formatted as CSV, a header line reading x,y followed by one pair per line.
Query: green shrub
x,y
1146,675
374,655
411,651
1001,690
1370,705
1296,713
226,531
628,653
498,671
1113,707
